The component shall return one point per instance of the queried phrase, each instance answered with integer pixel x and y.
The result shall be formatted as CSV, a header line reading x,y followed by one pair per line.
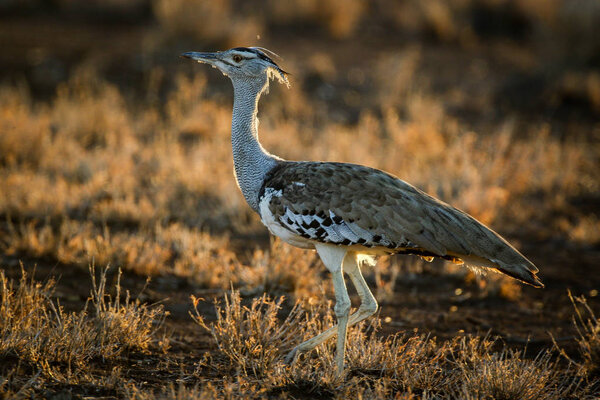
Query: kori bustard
x,y
346,212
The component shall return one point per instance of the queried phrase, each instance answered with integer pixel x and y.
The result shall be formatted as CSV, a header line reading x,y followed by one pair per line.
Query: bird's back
x,y
375,212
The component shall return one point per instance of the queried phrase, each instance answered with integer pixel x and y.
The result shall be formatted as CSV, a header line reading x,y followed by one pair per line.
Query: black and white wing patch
x,y
322,226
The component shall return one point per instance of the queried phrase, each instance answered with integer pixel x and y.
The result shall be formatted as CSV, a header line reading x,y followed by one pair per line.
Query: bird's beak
x,y
208,58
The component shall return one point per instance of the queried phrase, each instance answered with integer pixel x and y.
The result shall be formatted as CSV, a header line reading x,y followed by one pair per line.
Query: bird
x,y
348,213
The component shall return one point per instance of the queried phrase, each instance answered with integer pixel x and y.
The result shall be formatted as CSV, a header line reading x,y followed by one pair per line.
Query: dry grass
x,y
252,341
589,340
587,326
505,375
57,345
252,338
172,392
284,270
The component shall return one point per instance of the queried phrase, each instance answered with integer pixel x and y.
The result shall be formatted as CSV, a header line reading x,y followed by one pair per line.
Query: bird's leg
x,y
342,311
368,304
333,258
368,307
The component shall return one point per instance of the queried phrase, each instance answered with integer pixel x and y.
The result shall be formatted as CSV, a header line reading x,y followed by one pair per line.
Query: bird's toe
x,y
291,356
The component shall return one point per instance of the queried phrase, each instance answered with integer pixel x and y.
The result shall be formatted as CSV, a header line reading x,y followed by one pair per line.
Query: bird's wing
x,y
355,205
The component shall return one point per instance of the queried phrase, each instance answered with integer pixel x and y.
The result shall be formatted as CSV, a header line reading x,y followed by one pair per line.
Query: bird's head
x,y
242,63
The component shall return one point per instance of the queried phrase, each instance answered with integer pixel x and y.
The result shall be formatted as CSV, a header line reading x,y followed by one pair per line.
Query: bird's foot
x,y
290,358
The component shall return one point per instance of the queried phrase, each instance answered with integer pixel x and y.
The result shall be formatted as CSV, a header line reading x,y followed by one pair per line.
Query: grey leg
x,y
367,308
333,258
368,304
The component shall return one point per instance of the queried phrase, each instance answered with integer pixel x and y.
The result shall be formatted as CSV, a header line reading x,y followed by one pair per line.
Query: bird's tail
x,y
522,270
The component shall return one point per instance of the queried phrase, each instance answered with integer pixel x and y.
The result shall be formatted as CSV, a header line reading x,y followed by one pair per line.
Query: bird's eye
x,y
237,58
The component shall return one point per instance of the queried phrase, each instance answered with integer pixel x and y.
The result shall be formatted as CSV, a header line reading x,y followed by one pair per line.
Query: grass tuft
x,y
37,330
587,326
588,329
507,376
252,338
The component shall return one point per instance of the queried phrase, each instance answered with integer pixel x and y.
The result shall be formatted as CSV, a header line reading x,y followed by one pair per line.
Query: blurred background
x,y
487,59
113,150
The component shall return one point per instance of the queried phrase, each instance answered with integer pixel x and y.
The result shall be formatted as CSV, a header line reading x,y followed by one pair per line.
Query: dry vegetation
x,y
44,345
135,173
409,366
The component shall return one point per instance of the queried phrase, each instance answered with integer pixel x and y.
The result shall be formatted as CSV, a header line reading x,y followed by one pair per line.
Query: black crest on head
x,y
262,54
256,51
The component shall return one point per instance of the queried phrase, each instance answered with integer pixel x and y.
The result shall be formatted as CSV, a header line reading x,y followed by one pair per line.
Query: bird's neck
x,y
251,162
